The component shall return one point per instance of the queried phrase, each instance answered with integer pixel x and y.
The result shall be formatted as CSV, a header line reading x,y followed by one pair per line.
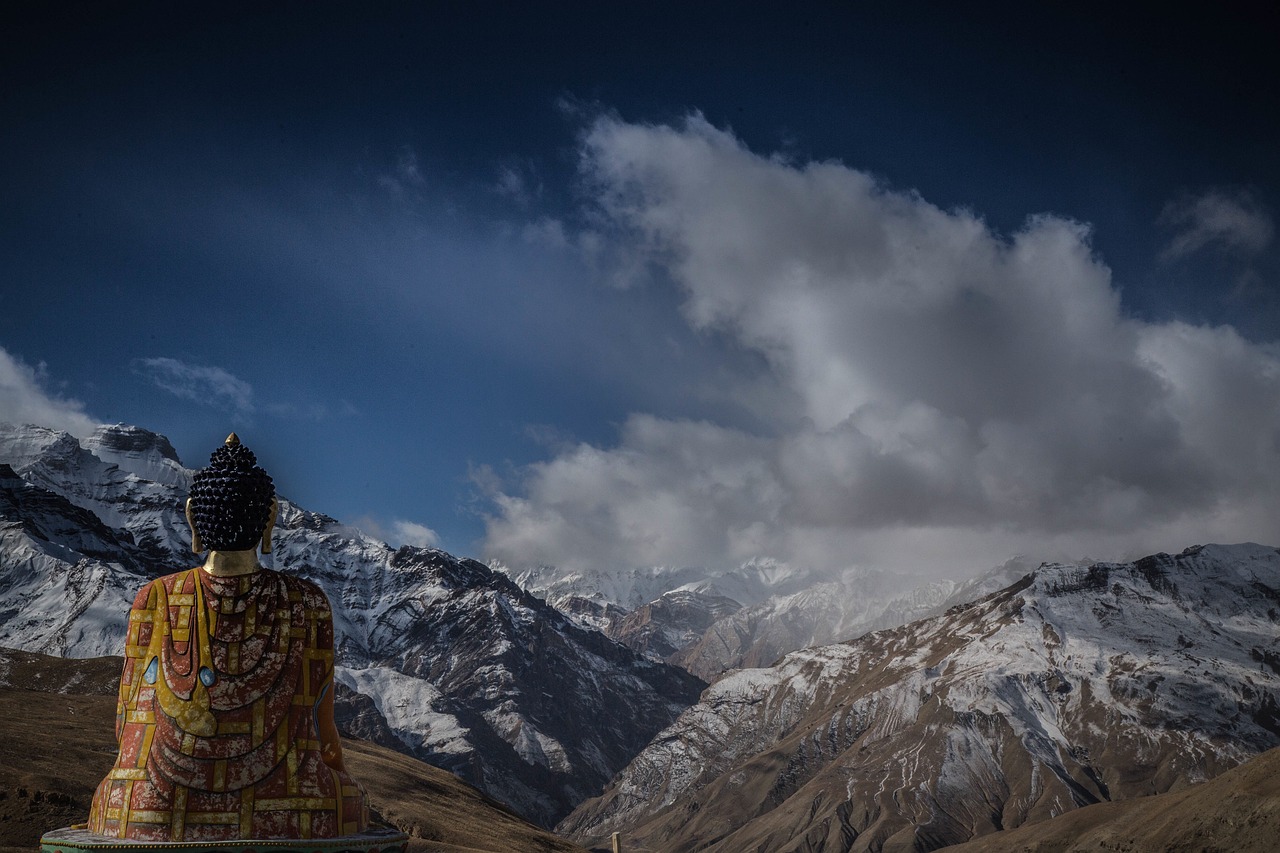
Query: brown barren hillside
x,y
55,747
1238,811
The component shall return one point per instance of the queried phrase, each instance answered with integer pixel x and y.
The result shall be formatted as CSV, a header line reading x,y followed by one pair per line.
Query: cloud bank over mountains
x,y
930,390
25,398
890,383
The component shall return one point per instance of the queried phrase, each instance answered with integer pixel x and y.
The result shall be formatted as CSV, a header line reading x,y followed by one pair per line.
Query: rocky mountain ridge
x,y
630,588
1075,685
461,666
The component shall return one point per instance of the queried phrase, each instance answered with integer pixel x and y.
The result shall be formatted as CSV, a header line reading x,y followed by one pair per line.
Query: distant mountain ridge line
x,y
711,622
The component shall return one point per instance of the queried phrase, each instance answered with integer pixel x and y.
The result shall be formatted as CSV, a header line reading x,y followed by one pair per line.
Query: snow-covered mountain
x,y
1076,684
826,612
631,588
464,669
711,623
671,623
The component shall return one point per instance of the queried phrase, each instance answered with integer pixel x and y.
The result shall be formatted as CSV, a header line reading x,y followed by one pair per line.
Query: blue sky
x,y
633,283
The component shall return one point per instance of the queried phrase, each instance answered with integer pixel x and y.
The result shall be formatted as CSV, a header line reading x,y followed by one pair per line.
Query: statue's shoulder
x,y
312,595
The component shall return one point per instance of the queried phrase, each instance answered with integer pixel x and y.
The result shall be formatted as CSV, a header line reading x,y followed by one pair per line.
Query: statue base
x,y
76,839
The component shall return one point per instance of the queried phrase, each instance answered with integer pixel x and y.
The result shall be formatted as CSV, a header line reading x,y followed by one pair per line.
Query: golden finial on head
x,y
232,439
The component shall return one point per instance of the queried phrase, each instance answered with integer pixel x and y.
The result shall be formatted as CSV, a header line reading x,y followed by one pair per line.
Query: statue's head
x,y
232,503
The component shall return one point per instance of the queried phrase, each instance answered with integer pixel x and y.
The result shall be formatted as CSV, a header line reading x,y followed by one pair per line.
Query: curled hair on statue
x,y
231,499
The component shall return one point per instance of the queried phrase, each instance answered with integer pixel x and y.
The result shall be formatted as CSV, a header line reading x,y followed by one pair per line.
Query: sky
x,y
608,285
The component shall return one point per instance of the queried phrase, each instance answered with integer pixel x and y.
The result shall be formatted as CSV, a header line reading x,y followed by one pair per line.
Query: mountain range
x,y
1075,685
948,714
442,657
710,623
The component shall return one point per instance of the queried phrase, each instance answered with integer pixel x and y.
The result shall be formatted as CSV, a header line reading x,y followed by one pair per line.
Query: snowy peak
x,y
125,441
139,452
710,622
146,505
672,622
1211,580
631,588
22,445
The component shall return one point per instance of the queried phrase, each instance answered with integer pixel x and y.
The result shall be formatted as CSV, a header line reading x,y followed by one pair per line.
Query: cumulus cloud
x,y
210,386
1223,219
25,399
951,384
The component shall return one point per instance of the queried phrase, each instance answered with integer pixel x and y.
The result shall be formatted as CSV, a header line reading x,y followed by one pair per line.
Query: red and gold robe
x,y
225,707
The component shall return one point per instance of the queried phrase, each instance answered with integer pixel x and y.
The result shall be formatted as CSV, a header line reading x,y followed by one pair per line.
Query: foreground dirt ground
x,y
55,747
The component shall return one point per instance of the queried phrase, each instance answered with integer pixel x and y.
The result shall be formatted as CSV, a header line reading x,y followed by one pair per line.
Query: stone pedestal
x,y
77,839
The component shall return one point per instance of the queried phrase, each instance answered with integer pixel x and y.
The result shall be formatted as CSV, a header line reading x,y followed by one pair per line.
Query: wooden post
x,y
616,838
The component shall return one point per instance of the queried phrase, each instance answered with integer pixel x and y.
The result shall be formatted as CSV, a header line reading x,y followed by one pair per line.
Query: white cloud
x,y
400,532
951,384
24,399
210,386
412,533
673,491
1223,219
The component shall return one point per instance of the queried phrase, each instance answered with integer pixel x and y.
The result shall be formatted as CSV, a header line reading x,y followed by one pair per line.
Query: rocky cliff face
x,y
458,664
1073,686
671,623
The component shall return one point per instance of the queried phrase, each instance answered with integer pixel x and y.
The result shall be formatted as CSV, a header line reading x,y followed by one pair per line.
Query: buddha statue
x,y
225,712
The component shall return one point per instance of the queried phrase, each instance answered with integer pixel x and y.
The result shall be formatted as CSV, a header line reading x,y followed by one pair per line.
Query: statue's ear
x,y
271,523
196,545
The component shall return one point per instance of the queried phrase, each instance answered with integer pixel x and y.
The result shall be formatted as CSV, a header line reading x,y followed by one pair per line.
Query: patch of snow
x,y
409,706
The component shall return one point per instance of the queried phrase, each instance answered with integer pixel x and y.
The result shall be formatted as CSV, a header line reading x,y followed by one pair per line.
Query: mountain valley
x,y
840,714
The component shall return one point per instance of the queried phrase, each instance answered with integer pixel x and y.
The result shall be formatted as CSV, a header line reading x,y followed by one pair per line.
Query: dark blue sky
x,y
324,219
